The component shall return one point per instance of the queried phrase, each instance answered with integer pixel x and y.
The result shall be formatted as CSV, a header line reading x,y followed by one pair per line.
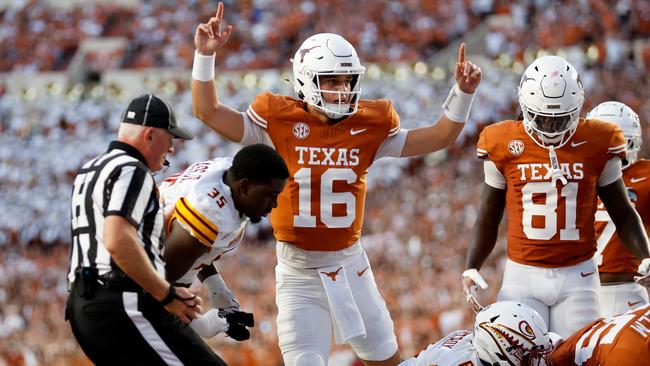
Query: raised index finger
x,y
219,11
461,53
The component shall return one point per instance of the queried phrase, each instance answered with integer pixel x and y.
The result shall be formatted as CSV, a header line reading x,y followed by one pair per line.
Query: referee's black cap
x,y
152,111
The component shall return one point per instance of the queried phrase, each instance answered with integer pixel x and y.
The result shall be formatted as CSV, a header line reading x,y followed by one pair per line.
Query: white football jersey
x,y
455,349
202,203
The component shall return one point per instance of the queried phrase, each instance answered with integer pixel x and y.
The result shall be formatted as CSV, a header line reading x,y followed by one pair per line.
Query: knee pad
x,y
301,358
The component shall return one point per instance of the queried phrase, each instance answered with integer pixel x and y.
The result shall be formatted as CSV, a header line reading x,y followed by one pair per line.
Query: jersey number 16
x,y
328,198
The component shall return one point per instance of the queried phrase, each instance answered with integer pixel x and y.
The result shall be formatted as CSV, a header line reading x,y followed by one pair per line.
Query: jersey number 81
x,y
548,210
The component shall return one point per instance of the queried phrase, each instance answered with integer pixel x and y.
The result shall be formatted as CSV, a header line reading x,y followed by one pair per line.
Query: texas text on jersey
x,y
202,203
551,225
328,164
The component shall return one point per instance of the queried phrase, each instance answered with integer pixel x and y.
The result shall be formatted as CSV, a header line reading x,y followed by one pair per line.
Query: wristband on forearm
x,y
203,68
458,105
171,295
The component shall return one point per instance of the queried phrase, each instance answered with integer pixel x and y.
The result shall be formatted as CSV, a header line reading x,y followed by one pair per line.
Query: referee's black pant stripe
x,y
147,330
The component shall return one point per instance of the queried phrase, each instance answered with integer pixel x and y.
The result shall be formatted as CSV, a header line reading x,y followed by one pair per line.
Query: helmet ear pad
x,y
327,54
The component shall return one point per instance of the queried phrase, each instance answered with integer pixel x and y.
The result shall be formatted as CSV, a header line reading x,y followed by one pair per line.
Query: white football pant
x,y
304,321
618,299
565,297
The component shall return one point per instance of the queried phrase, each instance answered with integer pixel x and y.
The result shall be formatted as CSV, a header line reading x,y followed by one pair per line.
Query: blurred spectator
x,y
39,38
36,37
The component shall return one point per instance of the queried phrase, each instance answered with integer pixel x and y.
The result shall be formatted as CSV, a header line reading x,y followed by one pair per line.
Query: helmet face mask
x,y
623,116
551,97
337,94
323,56
633,147
511,333
547,125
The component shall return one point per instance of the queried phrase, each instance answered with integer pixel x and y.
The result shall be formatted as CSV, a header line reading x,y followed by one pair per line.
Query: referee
x,y
121,309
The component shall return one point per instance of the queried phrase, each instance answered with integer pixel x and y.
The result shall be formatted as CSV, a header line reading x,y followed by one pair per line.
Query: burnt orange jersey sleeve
x,y
259,111
619,340
617,145
612,255
321,208
493,141
481,146
393,120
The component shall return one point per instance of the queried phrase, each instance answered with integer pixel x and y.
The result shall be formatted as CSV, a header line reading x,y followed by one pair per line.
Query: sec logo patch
x,y
301,130
516,147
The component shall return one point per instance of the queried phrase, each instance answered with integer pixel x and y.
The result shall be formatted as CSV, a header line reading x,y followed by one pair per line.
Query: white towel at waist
x,y
345,314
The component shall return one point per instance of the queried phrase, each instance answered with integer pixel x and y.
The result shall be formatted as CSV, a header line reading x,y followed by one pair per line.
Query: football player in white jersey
x,y
206,208
505,333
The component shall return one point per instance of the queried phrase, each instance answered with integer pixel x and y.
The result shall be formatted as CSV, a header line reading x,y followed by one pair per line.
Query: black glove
x,y
237,323
240,317
238,332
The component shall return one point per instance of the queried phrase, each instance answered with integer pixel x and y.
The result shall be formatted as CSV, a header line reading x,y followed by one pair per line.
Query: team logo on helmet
x,y
526,330
301,130
304,51
516,147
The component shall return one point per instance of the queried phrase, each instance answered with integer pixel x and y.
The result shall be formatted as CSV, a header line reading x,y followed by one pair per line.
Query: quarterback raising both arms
x,y
329,137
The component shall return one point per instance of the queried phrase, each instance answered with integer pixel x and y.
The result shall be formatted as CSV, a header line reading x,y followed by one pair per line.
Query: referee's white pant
x,y
131,328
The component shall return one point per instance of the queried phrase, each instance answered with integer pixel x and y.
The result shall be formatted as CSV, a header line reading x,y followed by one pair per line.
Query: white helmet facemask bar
x,y
533,120
633,144
347,100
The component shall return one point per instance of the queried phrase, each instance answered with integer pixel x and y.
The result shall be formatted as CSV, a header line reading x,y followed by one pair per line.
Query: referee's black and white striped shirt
x,y
117,182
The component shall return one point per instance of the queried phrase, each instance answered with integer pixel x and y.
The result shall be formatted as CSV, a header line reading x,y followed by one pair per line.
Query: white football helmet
x,y
327,54
511,333
627,120
551,96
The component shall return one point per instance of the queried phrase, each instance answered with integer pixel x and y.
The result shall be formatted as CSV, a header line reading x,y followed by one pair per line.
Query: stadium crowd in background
x,y
44,141
159,34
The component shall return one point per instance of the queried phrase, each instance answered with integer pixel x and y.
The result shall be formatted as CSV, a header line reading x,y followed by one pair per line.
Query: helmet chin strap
x,y
549,140
335,110
333,115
